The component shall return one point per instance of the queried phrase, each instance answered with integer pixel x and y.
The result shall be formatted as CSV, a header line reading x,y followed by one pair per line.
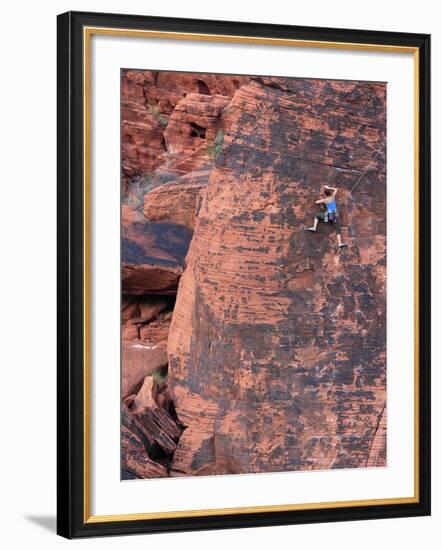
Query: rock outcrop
x,y
273,356
177,201
170,135
149,437
152,257
149,98
277,343
139,359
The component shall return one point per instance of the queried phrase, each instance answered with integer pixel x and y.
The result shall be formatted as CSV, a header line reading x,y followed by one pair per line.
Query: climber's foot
x,y
312,229
342,245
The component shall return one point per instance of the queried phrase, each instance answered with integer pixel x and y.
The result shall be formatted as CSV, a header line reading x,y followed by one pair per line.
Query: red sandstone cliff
x,y
276,347
151,100
170,131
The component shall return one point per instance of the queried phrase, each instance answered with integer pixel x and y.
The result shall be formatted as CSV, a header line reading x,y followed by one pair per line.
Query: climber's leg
x,y
340,243
338,234
318,217
314,226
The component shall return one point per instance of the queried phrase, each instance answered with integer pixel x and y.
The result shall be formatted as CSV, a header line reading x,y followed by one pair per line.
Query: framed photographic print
x,y
243,274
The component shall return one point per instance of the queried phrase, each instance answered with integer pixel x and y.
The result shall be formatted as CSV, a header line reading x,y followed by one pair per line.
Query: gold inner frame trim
x,y
87,33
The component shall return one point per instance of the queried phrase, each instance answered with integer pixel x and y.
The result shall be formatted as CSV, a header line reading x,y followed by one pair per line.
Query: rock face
x,y
150,432
139,360
277,344
273,357
170,133
177,201
152,257
149,98
193,125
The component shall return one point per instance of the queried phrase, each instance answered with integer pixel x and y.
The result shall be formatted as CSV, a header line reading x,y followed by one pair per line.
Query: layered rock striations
x,y
149,103
273,356
171,126
277,343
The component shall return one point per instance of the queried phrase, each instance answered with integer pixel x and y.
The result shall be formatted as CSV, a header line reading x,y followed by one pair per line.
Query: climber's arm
x,y
334,189
320,201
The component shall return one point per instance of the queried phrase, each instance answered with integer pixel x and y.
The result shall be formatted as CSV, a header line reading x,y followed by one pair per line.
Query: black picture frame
x,y
72,522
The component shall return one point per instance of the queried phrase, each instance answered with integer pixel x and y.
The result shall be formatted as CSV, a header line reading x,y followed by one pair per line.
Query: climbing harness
x,y
331,216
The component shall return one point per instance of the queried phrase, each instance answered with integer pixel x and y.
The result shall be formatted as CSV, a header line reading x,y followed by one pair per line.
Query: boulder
x,y
135,463
155,331
144,397
152,256
157,423
176,201
129,307
130,332
138,360
150,307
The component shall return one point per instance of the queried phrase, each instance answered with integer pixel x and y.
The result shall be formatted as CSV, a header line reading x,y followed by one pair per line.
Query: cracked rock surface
x,y
270,342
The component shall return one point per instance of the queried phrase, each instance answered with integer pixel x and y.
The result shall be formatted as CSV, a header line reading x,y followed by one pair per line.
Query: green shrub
x,y
159,377
155,112
215,149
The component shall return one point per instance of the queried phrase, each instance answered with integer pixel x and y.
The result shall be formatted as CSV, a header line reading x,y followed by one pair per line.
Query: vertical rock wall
x,y
276,349
170,130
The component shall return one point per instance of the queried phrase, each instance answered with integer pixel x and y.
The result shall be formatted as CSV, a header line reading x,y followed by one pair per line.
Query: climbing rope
x,y
358,181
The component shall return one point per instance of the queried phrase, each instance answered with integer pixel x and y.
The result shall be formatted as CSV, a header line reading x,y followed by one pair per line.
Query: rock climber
x,y
330,215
